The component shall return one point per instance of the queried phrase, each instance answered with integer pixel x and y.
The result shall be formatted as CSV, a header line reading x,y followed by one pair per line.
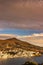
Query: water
x,y
20,61
38,59
16,61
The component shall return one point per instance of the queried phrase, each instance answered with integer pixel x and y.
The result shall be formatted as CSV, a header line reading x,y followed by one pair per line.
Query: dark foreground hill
x,y
13,43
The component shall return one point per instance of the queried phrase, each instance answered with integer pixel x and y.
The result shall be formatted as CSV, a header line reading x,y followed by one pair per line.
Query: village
x,y
18,53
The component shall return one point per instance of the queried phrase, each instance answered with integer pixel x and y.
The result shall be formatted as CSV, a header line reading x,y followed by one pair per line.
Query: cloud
x,y
32,35
1,29
7,36
23,14
21,25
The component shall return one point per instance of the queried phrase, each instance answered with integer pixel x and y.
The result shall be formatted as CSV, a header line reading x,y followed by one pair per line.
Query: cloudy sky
x,y
19,31
21,14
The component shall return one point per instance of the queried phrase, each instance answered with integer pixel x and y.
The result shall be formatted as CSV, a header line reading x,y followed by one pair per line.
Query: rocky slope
x,y
13,43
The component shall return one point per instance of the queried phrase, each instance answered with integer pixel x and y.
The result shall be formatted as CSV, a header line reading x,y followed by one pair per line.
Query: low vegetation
x,y
31,63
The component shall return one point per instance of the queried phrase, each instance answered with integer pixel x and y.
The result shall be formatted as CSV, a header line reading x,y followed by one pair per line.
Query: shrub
x,y
30,63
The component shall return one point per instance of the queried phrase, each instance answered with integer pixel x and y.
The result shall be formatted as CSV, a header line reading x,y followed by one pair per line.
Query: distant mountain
x,y
13,43
35,39
6,36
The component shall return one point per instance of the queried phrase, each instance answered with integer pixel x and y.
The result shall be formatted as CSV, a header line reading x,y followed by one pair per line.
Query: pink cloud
x,y
21,14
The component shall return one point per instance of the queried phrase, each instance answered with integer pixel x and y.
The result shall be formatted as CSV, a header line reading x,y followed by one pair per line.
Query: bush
x,y
30,63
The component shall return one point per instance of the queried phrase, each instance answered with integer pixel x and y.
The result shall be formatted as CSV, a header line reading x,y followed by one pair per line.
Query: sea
x,y
21,61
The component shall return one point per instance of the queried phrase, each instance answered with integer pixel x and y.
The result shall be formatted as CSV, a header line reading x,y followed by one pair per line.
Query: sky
x,y
21,16
20,32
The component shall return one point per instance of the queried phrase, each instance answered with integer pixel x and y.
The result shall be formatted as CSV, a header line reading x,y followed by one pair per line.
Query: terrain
x,y
14,43
34,39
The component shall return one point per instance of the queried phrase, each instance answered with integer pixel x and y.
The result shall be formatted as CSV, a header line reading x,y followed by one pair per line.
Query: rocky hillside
x,y
13,43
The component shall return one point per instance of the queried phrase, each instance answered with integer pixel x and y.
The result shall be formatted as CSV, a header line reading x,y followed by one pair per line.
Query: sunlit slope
x,y
13,43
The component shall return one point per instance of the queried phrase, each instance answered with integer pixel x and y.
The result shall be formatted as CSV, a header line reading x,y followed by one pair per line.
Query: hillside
x,y
13,43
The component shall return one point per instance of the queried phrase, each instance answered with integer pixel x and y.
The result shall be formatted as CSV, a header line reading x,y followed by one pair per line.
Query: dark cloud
x,y
24,14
